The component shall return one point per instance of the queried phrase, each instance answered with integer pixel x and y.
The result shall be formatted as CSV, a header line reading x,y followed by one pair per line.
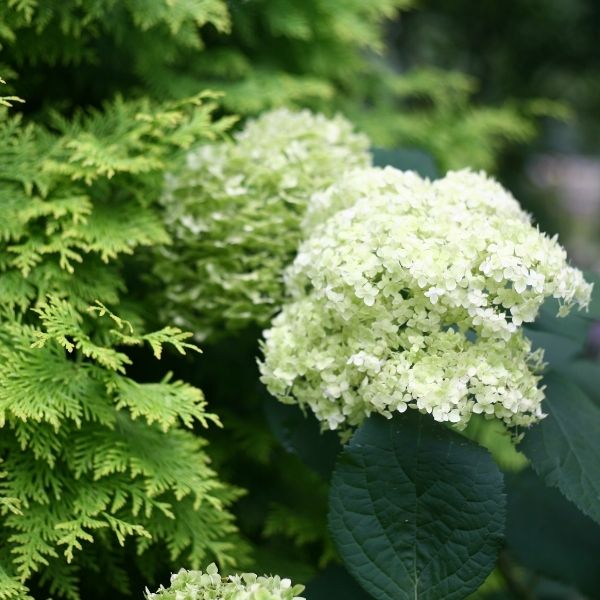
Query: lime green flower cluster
x,y
411,293
196,585
234,215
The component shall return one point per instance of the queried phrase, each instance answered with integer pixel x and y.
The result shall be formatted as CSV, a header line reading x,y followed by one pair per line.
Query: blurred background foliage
x,y
512,87
263,53
517,51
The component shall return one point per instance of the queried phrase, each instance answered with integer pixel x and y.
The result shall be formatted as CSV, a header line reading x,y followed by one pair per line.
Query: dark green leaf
x,y
547,534
594,308
564,448
575,325
300,434
335,582
557,348
586,374
406,159
416,510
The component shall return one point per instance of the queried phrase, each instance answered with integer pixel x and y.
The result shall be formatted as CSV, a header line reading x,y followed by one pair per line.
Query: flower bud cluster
x,y
234,211
210,585
411,293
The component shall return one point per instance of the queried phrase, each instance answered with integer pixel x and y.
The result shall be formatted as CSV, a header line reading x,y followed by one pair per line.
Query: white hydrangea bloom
x,y
410,293
234,212
210,585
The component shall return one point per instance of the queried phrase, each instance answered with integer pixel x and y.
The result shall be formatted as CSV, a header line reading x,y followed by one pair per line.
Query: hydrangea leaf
x,y
557,348
586,374
416,510
574,326
594,308
564,448
406,159
547,533
335,582
301,435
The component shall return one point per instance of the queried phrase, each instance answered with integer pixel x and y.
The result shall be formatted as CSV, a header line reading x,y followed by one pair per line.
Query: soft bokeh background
x,y
519,50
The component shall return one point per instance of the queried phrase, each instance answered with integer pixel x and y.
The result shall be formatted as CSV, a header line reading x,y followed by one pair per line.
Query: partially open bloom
x,y
210,585
234,213
410,293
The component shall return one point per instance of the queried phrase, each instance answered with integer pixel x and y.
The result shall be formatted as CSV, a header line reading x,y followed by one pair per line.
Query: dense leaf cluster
x,y
88,453
262,54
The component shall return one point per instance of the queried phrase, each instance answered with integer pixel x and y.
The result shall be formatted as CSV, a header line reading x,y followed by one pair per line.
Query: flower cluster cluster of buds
x,y
210,585
408,293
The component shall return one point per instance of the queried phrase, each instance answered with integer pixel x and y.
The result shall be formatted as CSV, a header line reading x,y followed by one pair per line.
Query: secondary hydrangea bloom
x,y
234,214
196,585
411,293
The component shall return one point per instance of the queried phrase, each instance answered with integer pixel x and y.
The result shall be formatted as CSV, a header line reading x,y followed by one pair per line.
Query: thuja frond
x,y
62,324
67,211
99,468
91,457
10,586
69,28
165,402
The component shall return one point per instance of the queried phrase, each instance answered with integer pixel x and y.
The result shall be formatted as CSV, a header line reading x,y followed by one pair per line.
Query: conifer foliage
x,y
89,454
263,54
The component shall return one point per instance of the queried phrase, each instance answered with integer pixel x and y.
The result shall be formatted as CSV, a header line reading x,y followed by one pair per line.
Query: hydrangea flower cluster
x,y
411,293
196,585
234,213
